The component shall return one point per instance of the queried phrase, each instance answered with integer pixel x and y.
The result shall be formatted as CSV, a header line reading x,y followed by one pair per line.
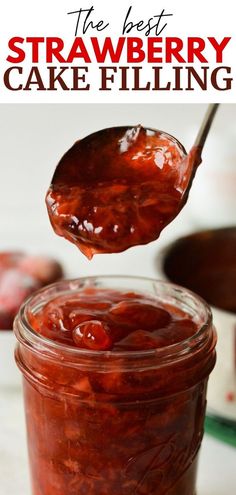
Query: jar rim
x,y
29,337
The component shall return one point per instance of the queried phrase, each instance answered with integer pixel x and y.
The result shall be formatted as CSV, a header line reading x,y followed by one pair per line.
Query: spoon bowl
x,y
119,187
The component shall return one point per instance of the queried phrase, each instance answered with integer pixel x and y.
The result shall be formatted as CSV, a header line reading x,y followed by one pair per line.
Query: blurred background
x,y
34,137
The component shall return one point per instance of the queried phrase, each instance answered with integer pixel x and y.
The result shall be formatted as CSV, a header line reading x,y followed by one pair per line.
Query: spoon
x,y
194,158
120,187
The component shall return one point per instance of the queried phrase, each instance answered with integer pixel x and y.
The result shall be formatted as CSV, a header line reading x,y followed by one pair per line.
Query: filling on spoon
x,y
117,188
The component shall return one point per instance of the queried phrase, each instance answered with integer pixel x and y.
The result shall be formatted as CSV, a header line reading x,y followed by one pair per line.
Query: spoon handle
x,y
206,125
194,157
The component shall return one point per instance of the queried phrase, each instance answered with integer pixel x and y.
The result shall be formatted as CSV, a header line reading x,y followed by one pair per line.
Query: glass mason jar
x,y
115,423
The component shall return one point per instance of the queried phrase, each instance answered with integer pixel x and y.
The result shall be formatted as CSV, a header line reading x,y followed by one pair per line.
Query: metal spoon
x,y
120,187
194,157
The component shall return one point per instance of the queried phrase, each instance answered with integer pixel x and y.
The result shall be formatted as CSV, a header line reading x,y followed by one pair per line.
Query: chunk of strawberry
x,y
15,287
93,335
10,259
178,331
140,340
43,269
139,315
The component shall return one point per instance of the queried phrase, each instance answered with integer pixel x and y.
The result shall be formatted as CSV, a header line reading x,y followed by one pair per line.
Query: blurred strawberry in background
x,y
20,276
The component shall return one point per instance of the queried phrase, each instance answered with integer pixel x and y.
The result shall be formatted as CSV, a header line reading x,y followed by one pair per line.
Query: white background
x,y
49,18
